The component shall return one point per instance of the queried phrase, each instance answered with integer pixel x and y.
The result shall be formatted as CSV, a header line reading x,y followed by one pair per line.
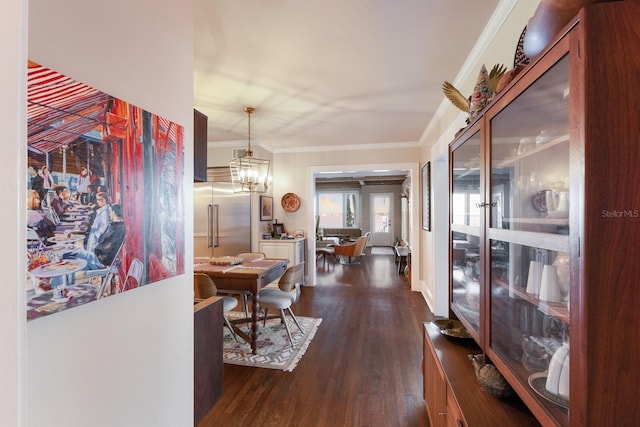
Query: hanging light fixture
x,y
249,174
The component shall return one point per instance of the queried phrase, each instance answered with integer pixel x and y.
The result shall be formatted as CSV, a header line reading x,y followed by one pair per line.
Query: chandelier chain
x,y
249,110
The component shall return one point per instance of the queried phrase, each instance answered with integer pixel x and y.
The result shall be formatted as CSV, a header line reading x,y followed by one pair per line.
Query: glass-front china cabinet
x,y
544,234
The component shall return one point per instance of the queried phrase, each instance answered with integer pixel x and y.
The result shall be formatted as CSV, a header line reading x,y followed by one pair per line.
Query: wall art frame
x,y
266,208
111,217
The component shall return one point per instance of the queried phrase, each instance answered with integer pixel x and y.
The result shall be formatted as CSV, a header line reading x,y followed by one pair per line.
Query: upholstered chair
x,y
283,297
350,253
203,287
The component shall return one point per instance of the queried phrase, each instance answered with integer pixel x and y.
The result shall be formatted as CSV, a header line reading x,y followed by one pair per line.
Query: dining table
x,y
76,240
248,276
402,256
62,268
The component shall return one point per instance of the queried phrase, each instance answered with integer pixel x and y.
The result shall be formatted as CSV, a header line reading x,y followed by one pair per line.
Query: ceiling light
x,y
248,173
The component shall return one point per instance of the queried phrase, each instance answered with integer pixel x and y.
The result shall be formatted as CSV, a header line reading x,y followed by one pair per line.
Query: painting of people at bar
x,y
105,211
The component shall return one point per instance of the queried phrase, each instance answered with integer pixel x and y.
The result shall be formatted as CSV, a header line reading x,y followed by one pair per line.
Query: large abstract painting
x,y
105,211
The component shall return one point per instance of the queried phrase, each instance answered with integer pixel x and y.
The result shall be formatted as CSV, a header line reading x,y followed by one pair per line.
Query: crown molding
x,y
314,149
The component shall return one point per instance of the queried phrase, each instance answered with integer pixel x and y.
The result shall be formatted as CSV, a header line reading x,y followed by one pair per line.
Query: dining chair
x,y
283,297
34,245
33,240
136,269
50,212
106,274
203,287
244,295
324,252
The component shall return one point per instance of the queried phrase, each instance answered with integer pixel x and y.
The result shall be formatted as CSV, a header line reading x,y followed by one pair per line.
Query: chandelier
x,y
248,173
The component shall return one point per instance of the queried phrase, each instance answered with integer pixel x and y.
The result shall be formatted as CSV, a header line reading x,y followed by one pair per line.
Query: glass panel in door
x,y
529,235
465,239
382,219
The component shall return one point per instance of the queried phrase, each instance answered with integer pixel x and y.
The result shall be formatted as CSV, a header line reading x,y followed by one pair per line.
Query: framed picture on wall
x,y
266,208
426,197
121,177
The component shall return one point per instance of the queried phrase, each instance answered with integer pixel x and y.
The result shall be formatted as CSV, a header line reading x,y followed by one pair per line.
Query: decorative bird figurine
x,y
490,379
483,92
456,97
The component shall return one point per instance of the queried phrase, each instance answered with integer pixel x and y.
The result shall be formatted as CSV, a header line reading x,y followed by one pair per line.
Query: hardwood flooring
x,y
363,368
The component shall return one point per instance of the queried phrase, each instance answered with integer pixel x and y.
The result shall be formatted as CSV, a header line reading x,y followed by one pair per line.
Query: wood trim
x,y
207,346
478,407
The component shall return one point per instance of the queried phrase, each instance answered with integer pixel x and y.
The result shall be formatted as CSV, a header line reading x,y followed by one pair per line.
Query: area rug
x,y
274,351
382,250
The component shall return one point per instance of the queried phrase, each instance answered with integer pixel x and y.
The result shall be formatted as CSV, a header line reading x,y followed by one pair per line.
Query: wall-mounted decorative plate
x,y
290,202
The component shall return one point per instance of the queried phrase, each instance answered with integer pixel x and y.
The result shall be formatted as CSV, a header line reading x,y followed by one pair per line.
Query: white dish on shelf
x,y
538,382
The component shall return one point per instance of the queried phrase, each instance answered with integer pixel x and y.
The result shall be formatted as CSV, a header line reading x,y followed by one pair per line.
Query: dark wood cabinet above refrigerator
x,y
199,147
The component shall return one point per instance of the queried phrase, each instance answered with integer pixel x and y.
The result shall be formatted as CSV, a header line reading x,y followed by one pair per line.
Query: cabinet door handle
x,y
486,205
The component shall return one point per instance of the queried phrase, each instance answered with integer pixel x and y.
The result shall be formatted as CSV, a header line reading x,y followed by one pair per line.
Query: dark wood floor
x,y
363,368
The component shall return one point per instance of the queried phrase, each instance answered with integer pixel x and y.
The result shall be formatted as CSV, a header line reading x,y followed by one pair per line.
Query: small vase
x,y
534,278
549,289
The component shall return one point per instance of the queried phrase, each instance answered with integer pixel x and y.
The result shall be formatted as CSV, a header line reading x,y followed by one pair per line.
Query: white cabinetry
x,y
291,249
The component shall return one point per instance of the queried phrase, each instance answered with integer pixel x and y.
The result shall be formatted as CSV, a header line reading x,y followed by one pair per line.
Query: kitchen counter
x,y
291,249
274,240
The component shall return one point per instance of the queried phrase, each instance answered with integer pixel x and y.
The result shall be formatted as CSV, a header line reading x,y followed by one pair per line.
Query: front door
x,y
381,219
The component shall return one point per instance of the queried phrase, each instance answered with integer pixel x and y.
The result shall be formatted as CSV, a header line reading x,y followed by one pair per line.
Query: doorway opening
x,y
410,196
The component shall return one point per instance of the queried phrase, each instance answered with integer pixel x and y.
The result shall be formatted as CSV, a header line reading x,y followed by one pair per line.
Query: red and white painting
x,y
105,210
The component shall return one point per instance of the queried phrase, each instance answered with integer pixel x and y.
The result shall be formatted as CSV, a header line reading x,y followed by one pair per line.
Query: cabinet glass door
x,y
528,232
465,226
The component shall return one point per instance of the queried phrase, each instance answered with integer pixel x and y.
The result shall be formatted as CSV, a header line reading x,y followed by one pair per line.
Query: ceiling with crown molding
x,y
329,74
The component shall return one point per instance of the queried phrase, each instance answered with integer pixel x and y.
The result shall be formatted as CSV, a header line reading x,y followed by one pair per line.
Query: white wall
x,y
13,57
126,360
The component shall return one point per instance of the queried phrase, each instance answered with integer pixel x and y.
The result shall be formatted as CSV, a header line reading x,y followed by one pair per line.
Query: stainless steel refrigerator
x,y
222,218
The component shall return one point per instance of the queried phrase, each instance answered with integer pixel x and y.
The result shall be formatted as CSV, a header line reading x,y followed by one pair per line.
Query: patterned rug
x,y
274,351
